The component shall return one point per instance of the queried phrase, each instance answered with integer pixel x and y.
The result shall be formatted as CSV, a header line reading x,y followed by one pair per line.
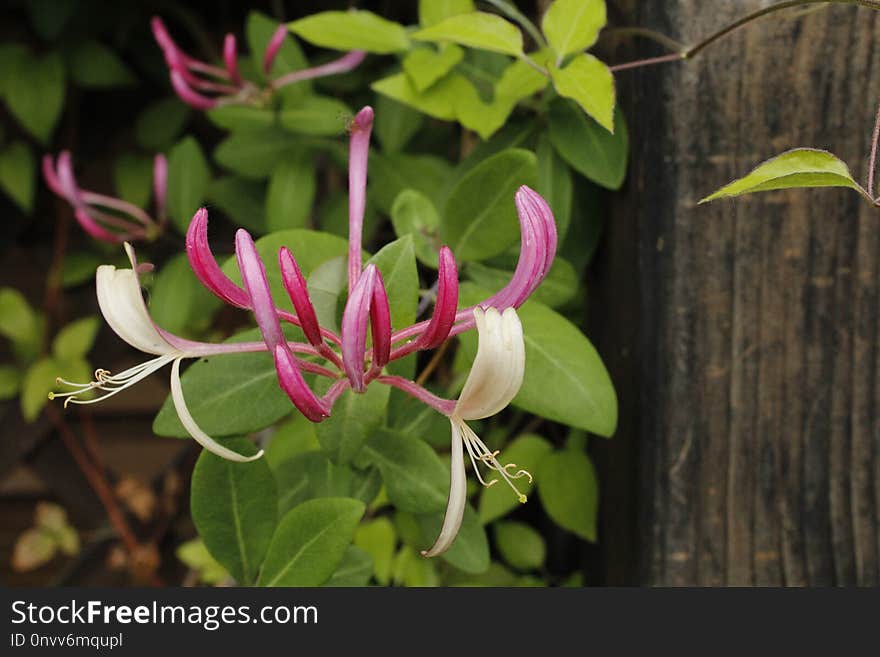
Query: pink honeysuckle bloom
x,y
205,86
123,308
104,217
494,379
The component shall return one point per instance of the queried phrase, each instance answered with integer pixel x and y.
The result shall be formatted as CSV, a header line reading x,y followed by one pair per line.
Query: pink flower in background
x,y
107,218
495,377
205,86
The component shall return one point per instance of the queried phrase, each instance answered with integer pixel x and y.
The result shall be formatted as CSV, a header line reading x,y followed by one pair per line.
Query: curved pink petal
x,y
174,56
446,305
205,266
230,58
94,229
359,149
50,176
354,327
273,47
291,380
380,324
188,95
344,64
256,285
160,185
296,288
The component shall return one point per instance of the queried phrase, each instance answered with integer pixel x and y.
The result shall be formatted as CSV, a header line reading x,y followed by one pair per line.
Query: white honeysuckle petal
x,y
121,303
497,372
457,497
186,419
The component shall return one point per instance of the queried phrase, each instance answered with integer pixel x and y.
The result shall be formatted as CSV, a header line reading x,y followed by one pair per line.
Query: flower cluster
x,y
204,86
494,379
107,218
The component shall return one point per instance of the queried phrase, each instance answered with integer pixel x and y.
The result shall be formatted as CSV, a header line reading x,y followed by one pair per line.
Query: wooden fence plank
x,y
756,365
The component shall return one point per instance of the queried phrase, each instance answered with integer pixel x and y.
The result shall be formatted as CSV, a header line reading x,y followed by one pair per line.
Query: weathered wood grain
x,y
756,363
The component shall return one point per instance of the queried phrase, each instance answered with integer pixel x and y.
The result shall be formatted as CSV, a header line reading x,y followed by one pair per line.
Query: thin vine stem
x,y
872,163
692,51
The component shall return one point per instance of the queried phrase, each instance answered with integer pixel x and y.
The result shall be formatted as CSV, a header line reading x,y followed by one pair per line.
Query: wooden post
x,y
752,372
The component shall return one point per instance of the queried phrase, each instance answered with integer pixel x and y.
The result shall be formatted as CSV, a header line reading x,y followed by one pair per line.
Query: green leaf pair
x,y
235,509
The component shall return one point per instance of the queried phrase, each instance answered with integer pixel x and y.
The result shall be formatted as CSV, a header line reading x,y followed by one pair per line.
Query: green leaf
x,y
560,285
520,545
588,147
18,321
309,247
235,509
555,184
470,550
38,382
392,173
34,92
310,542
355,569
476,30
572,25
94,65
589,82
355,418
526,451
802,167
415,479
79,267
438,101
259,30
311,475
569,491
395,124
378,539
49,17
242,200
242,117
414,214
396,262
195,555
188,178
327,285
425,66
432,12
228,395
133,178
411,569
293,437
255,153
179,303
18,169
10,381
318,116
352,30
76,339
291,194
158,125
480,215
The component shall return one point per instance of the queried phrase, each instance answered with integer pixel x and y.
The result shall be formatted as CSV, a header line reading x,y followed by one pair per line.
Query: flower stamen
x,y
479,452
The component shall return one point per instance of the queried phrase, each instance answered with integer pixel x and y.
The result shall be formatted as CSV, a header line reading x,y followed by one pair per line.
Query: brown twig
x,y
436,359
96,480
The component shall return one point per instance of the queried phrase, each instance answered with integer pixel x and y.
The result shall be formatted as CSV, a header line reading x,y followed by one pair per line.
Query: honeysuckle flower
x,y
204,86
495,377
124,310
104,217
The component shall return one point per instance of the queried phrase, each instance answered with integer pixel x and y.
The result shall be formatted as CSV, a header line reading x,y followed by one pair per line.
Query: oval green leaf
x,y
352,30
569,491
310,542
235,509
477,29
480,215
801,167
